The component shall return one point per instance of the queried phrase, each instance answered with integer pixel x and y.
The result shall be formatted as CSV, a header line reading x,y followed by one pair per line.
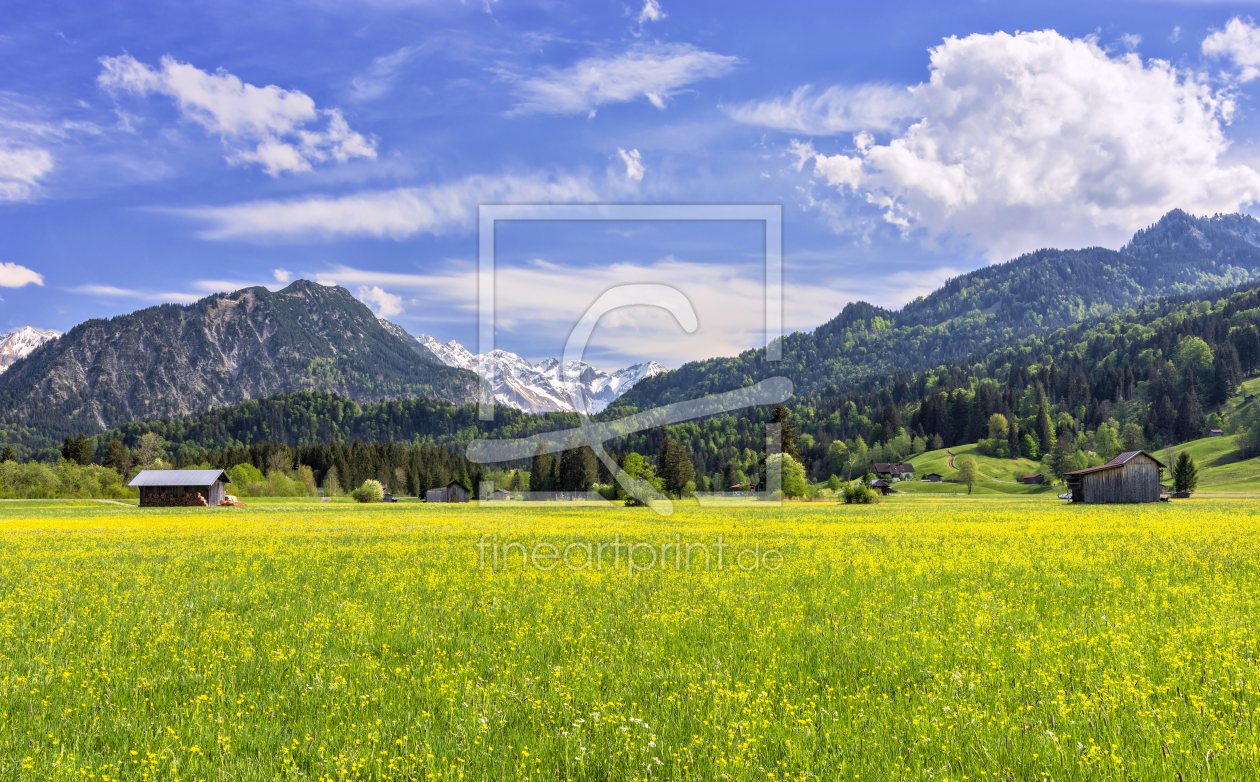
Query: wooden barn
x,y
451,492
1033,480
932,477
1133,476
181,488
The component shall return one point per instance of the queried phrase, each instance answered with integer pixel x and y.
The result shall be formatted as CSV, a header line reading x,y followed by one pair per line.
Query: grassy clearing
x,y
924,638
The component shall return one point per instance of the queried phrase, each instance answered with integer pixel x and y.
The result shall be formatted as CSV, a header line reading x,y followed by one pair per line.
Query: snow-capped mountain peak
x,y
540,388
20,343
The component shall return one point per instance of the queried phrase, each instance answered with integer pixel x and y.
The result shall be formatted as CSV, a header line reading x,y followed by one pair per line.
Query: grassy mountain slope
x,y
970,314
172,360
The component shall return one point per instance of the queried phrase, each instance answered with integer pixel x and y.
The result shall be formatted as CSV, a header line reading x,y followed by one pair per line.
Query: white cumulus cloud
x,y
1033,140
653,71
634,164
383,304
386,214
1240,42
282,275
651,12
14,276
264,125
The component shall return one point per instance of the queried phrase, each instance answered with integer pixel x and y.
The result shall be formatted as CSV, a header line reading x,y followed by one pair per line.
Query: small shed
x,y
932,477
882,486
1033,480
451,492
1248,397
1133,476
1216,433
181,488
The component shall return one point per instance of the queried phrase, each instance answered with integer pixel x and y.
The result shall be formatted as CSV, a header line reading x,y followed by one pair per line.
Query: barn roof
x,y
456,483
179,478
1119,461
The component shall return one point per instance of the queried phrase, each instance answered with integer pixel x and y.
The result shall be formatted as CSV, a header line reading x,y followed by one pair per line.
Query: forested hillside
x,y
986,308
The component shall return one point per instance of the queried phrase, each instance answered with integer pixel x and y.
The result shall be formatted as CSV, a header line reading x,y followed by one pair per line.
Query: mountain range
x,y
174,361
979,311
539,388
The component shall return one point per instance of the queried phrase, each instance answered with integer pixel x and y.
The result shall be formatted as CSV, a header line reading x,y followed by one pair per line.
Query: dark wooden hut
x,y
1133,476
451,492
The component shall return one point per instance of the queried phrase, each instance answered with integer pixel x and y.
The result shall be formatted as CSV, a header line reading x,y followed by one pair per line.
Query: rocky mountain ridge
x,y
539,388
176,360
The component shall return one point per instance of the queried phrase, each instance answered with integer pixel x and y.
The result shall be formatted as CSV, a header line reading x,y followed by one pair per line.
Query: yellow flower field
x,y
943,639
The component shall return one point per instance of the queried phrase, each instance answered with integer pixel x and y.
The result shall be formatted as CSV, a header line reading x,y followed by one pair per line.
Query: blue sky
x,y
157,152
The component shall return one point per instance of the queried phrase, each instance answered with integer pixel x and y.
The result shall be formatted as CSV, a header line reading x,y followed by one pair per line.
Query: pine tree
x,y
1225,373
1247,342
9,455
674,466
77,450
540,470
1189,421
787,432
1045,434
576,468
117,457
1165,418
1184,473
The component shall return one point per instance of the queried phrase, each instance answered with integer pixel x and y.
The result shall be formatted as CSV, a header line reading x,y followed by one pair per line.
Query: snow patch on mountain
x,y
20,343
539,388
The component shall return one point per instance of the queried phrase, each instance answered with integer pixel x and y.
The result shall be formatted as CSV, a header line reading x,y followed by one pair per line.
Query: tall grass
x,y
934,639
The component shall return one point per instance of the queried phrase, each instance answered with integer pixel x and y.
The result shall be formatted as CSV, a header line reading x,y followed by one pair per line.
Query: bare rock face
x,y
173,360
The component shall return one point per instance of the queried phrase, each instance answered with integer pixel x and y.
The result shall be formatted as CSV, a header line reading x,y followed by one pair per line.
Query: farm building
x,y
893,470
881,485
932,477
181,488
1216,433
1033,480
451,492
1133,476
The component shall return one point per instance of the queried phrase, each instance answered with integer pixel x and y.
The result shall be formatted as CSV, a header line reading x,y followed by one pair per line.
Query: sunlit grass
x,y
985,638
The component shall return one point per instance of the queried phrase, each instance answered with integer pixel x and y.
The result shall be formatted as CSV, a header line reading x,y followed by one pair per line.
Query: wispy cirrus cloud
x,y
268,125
385,214
379,76
655,71
833,110
114,292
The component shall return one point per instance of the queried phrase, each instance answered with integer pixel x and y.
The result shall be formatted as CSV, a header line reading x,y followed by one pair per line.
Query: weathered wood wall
x,y
1136,481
